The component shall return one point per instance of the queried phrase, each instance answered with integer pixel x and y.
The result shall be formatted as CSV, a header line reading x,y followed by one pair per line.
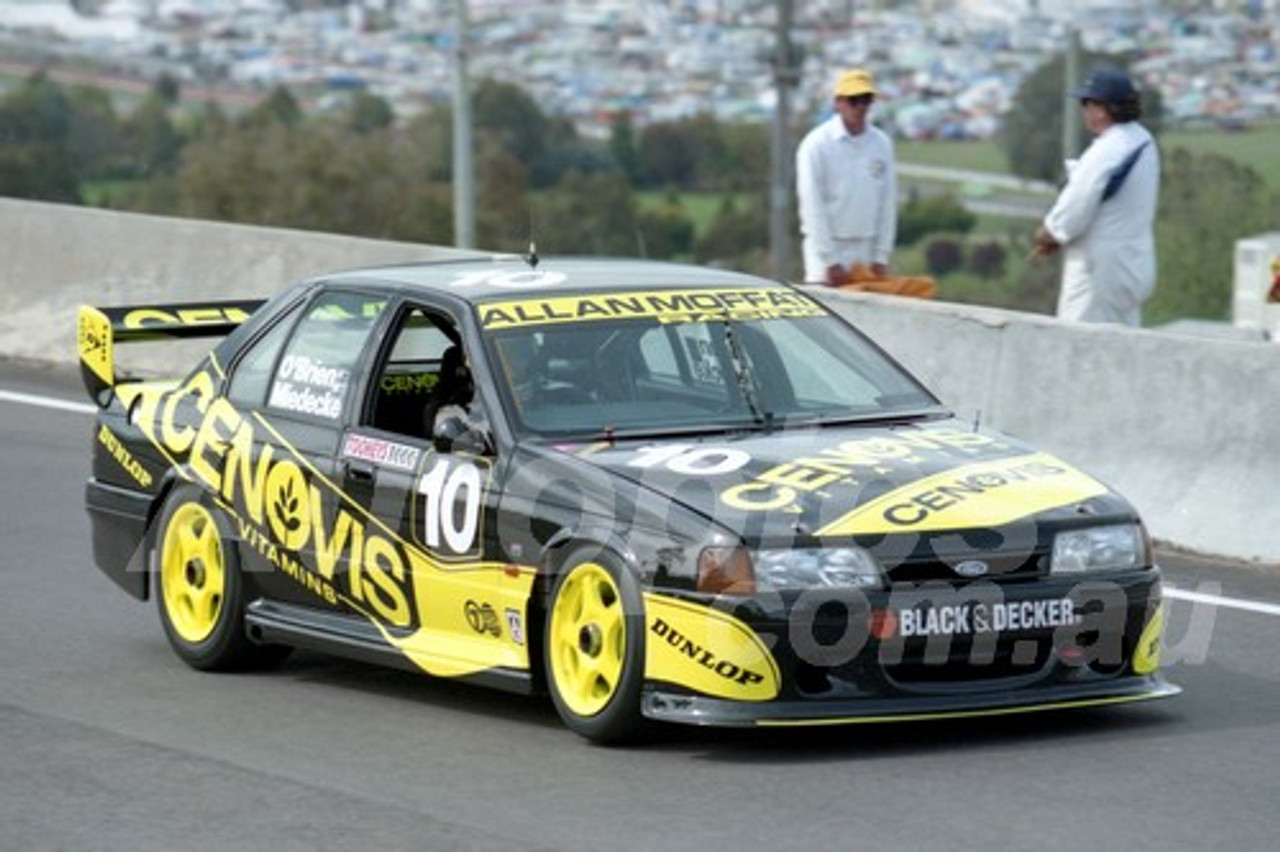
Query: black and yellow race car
x,y
655,491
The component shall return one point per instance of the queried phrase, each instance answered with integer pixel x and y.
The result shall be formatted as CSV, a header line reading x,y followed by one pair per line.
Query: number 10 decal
x,y
453,490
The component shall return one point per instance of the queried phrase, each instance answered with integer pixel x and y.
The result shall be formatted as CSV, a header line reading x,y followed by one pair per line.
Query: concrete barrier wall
x,y
55,257
1187,428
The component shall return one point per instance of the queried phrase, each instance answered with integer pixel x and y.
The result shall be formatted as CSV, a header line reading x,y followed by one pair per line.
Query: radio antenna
x,y
532,257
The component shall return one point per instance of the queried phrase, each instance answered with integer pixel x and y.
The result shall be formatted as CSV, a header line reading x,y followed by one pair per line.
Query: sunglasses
x,y
860,100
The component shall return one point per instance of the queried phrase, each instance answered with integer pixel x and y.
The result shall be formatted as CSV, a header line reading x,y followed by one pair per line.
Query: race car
x,y
656,492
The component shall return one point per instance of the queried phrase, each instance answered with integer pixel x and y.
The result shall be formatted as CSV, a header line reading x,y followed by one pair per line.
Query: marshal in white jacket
x,y
1109,266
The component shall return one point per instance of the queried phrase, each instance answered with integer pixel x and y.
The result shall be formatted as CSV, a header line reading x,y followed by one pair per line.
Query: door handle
x,y
361,471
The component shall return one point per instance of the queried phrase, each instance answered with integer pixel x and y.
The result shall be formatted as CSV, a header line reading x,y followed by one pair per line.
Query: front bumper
x,y
924,651
700,710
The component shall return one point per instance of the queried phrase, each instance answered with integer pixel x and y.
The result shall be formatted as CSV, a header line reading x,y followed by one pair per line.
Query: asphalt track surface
x,y
108,742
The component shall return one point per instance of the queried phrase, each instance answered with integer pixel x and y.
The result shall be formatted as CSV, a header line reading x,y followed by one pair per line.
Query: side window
x,y
248,386
657,355
424,371
685,355
813,371
314,375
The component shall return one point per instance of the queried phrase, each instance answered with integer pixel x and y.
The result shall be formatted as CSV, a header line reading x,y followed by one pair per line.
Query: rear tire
x,y
199,588
594,649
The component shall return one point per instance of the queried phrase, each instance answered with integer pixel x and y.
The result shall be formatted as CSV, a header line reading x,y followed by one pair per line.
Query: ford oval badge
x,y
971,568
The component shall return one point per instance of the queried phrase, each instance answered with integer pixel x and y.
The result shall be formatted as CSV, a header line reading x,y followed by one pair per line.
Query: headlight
x,y
739,571
836,567
1118,547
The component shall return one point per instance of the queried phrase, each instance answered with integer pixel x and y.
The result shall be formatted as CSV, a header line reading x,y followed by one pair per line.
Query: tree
x,y
688,153
738,237
279,107
1207,202
428,141
168,88
502,203
153,142
668,156
987,259
511,117
96,137
367,113
943,256
746,164
588,214
666,230
922,216
623,147
208,122
1031,132
35,152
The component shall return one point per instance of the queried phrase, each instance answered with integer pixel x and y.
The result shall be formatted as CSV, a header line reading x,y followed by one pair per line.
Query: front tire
x,y
594,649
199,588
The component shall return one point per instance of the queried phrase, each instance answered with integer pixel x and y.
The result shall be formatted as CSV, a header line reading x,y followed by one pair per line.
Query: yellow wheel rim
x,y
192,574
588,639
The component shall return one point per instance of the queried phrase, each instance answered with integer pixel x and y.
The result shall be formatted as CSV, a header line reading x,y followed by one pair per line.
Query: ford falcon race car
x,y
653,491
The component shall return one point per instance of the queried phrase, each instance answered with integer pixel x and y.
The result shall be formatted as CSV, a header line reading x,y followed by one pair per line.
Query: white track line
x,y
1226,603
46,402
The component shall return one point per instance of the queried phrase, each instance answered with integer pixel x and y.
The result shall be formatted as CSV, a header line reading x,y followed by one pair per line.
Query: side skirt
x,y
353,637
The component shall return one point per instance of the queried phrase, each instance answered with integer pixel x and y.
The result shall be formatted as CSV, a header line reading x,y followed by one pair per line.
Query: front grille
x,y
1015,658
995,568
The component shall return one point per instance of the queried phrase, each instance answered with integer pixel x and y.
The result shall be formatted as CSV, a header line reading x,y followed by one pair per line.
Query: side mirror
x,y
455,432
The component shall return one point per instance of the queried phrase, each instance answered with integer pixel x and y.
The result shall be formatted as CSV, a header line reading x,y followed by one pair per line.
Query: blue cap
x,y
1108,85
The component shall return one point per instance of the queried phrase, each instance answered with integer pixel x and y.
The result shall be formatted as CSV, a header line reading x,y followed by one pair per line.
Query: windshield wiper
x,y
610,433
745,385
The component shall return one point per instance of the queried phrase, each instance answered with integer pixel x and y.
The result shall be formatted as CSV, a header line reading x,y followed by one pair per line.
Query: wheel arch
x,y
557,551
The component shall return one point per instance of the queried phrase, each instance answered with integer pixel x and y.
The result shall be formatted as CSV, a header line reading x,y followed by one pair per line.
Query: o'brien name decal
x,y
666,306
387,453
975,495
307,386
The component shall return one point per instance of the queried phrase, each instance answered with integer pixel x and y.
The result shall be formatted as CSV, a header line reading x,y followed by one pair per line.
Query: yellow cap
x,y
855,82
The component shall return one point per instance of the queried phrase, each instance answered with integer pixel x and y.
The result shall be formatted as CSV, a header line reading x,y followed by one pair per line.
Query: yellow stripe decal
x,y
667,306
984,494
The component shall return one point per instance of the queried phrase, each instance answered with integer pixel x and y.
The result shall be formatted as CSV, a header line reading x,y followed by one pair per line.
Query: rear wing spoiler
x,y
100,329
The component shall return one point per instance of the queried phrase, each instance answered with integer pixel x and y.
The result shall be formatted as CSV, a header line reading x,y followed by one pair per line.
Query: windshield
x,y
650,374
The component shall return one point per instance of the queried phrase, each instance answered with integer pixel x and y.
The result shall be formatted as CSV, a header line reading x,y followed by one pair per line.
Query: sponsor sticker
x,y
482,618
971,617
389,453
984,494
515,626
666,306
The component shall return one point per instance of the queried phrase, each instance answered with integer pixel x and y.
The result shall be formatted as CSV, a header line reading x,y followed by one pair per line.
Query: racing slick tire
x,y
594,648
200,590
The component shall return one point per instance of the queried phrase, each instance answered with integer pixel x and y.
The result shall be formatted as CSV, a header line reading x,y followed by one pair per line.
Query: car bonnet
x,y
842,481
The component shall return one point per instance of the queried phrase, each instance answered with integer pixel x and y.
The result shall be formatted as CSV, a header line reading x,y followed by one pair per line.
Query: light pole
x,y
464,192
786,75
1070,79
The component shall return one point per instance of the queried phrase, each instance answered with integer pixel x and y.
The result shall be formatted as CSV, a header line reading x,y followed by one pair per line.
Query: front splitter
x,y
698,710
